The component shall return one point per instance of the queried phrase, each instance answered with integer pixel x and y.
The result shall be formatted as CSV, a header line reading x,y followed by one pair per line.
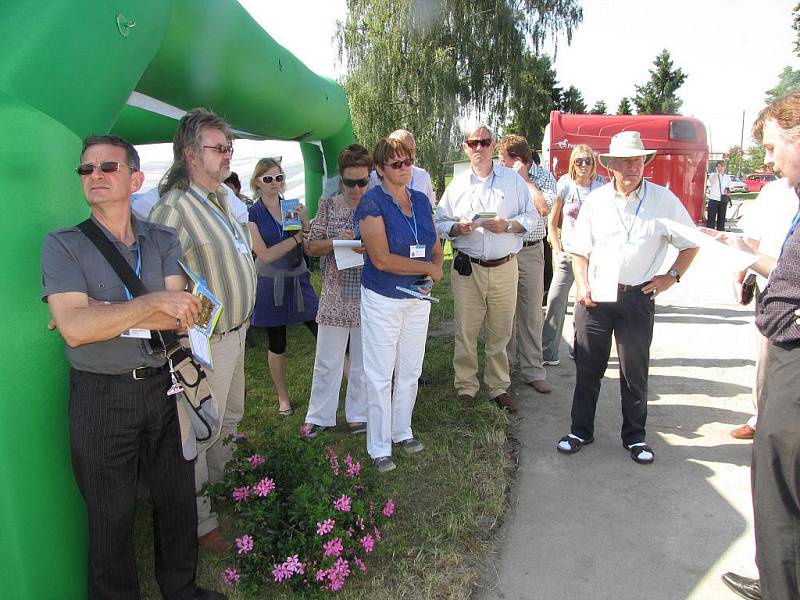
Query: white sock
x,y
564,445
646,455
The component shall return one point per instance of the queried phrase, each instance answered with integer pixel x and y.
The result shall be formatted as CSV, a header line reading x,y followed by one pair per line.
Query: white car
x,y
737,185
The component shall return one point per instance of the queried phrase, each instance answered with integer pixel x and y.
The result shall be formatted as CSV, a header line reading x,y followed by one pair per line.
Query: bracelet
x,y
306,231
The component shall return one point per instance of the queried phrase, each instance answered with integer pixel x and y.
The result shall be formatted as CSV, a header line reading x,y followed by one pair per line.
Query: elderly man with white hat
x,y
619,244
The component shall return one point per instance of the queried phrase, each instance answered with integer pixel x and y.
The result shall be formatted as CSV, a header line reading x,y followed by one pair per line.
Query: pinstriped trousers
x,y
116,424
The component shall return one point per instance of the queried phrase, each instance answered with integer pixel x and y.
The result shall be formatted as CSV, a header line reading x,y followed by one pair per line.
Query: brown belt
x,y
526,244
491,263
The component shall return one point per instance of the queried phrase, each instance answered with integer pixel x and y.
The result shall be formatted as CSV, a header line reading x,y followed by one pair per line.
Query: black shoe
x,y
424,380
744,586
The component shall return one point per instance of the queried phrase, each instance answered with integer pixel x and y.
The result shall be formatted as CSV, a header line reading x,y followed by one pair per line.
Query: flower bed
x,y
304,516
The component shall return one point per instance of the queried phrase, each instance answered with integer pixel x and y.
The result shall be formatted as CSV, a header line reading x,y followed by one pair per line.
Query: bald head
x,y
405,136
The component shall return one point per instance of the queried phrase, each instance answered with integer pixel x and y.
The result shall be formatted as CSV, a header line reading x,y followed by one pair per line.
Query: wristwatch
x,y
674,273
509,226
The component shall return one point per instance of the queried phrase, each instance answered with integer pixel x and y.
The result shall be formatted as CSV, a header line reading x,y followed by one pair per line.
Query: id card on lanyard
x,y
133,332
238,243
415,250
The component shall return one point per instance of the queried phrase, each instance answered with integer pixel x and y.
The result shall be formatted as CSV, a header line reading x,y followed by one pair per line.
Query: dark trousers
x,y
548,268
630,320
115,425
776,476
715,218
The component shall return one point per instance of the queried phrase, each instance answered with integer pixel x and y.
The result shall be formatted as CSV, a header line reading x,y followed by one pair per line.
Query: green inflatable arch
x,y
73,67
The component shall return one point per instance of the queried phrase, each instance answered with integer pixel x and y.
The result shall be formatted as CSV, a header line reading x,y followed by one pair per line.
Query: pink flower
x,y
293,565
360,564
263,488
353,468
367,543
333,547
388,509
305,430
377,533
255,460
230,576
280,573
321,574
342,504
244,544
325,527
241,493
330,453
350,532
337,574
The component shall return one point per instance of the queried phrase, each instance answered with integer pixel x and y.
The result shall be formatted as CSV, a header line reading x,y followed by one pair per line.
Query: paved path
x,y
595,525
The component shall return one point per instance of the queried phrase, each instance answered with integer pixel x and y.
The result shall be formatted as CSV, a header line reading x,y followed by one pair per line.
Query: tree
x,y
657,96
423,64
532,98
572,101
788,81
599,108
624,107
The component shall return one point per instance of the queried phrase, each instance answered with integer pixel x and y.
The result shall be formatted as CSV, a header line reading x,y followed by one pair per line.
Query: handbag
x,y
748,289
197,417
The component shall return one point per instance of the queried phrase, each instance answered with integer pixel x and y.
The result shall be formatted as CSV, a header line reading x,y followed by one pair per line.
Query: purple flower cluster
x,y
256,460
230,576
353,468
388,508
325,527
244,544
336,575
333,459
241,494
333,547
263,488
342,504
288,569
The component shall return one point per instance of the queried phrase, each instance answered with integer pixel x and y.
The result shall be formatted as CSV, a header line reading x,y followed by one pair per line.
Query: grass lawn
x,y
449,498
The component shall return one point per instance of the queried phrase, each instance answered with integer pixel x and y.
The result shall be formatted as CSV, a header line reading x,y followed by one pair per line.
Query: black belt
x,y
627,288
142,373
491,263
237,328
527,243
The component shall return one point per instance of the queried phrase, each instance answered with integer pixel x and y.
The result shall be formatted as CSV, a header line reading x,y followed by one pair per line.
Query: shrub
x,y
304,516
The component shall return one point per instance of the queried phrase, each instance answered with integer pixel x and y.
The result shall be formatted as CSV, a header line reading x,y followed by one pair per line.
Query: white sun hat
x,y
625,145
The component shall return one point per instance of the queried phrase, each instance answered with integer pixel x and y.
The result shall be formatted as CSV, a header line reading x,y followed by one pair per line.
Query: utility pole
x,y
741,148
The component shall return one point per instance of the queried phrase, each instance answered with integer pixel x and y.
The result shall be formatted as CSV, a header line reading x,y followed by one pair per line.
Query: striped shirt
x,y
546,183
209,235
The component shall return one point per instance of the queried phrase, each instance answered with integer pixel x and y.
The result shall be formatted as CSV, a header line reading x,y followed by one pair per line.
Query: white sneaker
x,y
551,363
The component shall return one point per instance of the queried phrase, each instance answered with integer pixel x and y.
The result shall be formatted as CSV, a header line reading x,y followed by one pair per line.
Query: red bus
x,y
680,164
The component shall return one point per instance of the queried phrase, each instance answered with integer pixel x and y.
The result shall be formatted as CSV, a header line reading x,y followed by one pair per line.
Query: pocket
x,y
106,291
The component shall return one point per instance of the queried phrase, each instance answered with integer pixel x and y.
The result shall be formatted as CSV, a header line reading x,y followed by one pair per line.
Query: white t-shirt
x,y
768,219
609,220
572,197
717,184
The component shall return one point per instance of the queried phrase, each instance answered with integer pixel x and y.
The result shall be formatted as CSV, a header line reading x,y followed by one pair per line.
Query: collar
x,y
215,196
474,178
140,228
634,195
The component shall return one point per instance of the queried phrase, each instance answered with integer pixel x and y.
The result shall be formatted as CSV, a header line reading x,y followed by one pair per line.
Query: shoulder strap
x,y
121,268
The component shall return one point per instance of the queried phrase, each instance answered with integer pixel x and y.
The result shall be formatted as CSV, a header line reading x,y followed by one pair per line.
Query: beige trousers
x,y
525,346
227,389
488,297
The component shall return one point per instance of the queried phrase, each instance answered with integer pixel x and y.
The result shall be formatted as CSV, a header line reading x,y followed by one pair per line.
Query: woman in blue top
x,y
284,294
571,191
402,248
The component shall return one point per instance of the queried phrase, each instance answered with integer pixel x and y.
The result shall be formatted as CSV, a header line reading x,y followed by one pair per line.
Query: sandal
x,y
287,412
573,443
638,450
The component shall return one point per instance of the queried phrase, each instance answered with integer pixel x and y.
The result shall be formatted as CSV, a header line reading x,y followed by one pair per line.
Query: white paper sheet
x,y
737,259
346,257
201,347
604,273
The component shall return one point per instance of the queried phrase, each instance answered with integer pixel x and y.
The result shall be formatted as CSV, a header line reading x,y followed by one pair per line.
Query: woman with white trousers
x,y
339,313
402,251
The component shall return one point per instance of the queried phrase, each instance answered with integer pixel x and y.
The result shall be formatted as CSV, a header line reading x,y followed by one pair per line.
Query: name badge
x,y
241,247
417,251
136,333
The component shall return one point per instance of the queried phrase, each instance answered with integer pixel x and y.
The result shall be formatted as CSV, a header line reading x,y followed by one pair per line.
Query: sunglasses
x,y
583,162
355,182
485,142
108,166
398,164
221,149
270,178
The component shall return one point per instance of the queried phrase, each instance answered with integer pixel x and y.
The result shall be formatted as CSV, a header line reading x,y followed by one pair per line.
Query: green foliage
x,y
657,96
532,98
281,490
423,64
788,81
624,107
599,108
572,101
796,27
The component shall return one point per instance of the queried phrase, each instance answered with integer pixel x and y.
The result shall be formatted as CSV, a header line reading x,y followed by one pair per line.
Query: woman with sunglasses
x,y
571,192
339,314
284,294
402,251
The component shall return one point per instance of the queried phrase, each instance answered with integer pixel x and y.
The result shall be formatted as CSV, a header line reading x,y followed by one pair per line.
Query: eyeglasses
x,y
221,149
355,182
270,178
583,162
108,166
398,164
485,142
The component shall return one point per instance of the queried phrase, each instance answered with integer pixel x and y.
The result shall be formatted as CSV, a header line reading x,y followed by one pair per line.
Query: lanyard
x,y
274,220
408,221
578,192
719,185
217,213
628,230
481,197
138,269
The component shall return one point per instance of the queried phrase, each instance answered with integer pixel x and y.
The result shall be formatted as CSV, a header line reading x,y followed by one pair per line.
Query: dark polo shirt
x,y
777,303
72,263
